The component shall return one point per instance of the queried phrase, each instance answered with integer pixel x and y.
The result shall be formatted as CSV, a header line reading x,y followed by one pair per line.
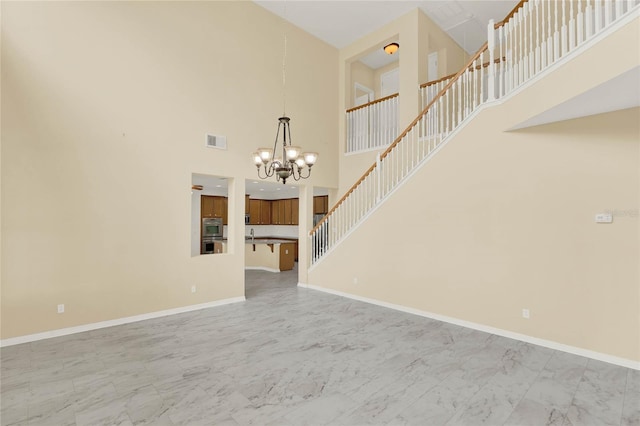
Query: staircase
x,y
535,36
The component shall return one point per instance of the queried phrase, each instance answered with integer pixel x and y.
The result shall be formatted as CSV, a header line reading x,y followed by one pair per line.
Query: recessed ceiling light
x,y
254,181
218,186
277,189
261,189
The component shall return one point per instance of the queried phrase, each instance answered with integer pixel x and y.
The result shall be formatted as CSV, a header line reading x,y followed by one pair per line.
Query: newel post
x,y
491,45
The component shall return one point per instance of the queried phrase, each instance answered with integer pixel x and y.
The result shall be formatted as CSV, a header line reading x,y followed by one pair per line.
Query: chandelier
x,y
292,163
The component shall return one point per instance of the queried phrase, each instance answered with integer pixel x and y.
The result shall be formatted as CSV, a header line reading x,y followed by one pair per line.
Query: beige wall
x,y
106,106
362,74
505,221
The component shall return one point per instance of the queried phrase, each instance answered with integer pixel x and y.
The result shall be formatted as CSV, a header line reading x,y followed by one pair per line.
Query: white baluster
x,y
526,30
588,18
572,26
491,41
607,12
556,35
619,8
597,16
564,35
537,65
580,26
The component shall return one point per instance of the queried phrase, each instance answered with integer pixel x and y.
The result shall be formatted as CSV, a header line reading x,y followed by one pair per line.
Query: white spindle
x,y
572,26
580,22
491,42
588,19
564,34
537,65
597,15
501,64
526,29
607,12
619,8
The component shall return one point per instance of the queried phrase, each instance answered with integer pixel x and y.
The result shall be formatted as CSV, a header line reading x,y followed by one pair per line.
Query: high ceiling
x,y
340,23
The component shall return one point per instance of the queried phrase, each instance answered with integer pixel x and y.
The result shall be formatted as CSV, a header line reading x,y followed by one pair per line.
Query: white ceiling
x,y
340,23
267,189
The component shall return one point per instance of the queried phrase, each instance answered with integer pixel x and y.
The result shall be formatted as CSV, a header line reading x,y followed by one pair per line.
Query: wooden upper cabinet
x,y
214,206
275,212
286,215
206,206
246,204
254,212
225,211
265,212
321,204
295,211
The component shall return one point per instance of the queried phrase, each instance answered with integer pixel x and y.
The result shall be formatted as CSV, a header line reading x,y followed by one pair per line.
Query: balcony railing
x,y
372,125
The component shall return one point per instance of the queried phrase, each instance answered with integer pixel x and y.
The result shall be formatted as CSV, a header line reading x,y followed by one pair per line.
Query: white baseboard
x,y
623,362
261,268
110,323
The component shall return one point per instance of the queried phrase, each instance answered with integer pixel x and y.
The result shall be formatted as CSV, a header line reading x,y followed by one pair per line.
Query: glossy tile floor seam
x,y
292,356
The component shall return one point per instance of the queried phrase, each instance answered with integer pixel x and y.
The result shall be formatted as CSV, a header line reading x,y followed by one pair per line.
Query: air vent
x,y
214,141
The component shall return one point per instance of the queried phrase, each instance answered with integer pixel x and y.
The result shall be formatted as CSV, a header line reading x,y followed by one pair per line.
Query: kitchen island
x,y
270,254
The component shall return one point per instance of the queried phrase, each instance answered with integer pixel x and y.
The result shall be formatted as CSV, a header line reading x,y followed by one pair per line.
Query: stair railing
x,y
533,36
372,125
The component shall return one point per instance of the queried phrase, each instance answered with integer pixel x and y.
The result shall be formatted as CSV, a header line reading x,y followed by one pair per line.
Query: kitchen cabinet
x,y
246,204
287,256
321,204
259,212
274,212
214,206
285,212
265,212
295,212
206,206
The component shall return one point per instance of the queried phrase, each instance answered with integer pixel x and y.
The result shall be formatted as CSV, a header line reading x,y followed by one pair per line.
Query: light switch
x,y
604,218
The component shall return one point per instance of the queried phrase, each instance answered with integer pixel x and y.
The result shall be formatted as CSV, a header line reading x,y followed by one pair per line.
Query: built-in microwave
x,y
212,227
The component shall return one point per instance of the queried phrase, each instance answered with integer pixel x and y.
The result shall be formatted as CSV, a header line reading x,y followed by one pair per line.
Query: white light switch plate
x,y
604,218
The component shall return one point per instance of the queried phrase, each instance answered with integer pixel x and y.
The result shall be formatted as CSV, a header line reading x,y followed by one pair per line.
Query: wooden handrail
x,y
510,14
447,77
432,82
373,102
344,197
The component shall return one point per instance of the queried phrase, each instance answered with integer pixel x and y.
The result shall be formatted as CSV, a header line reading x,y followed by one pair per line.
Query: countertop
x,y
268,240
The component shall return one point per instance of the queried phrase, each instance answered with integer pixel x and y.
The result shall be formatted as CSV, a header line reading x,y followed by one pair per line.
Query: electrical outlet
x,y
525,313
193,289
61,309
355,280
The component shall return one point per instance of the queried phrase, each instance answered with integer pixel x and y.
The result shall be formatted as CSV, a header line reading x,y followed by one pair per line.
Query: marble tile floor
x,y
290,356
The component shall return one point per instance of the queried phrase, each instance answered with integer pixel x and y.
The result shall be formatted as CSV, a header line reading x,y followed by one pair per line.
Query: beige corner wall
x,y
105,110
497,222
418,36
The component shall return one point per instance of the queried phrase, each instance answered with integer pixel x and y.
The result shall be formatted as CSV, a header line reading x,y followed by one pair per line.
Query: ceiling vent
x,y
214,141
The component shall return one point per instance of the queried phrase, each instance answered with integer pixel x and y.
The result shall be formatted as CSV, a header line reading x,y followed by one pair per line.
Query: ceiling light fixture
x,y
391,48
293,162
